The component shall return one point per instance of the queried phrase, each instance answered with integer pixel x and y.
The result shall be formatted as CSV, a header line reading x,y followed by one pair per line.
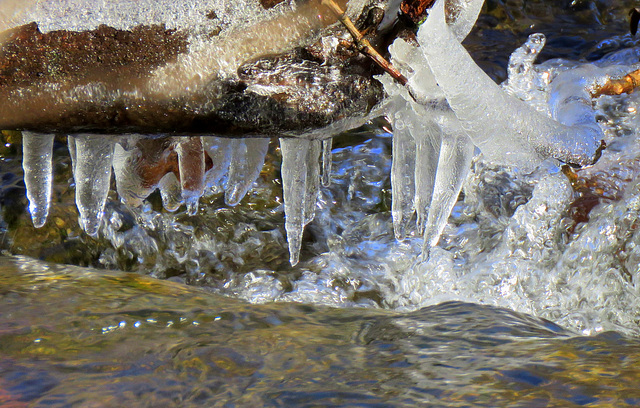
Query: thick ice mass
x,y
441,118
504,128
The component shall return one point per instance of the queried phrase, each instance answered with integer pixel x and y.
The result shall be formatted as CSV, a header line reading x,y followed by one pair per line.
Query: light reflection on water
x,y
78,337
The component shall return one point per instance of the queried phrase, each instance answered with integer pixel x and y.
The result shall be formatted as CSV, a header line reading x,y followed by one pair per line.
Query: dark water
x,y
82,337
79,337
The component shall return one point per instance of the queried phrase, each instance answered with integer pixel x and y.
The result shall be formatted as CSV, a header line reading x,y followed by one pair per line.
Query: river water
x,y
80,337
530,299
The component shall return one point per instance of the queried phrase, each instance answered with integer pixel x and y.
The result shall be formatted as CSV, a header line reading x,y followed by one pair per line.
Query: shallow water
x,y
79,337
358,322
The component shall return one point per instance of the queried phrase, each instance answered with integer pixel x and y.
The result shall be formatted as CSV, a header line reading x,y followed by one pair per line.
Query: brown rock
x,y
267,4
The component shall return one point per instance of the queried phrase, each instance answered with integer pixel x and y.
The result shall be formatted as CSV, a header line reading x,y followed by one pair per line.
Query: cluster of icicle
x,y
235,163
449,108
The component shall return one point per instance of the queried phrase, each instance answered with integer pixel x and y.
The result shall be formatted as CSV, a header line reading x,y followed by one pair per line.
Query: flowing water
x,y
529,300
80,337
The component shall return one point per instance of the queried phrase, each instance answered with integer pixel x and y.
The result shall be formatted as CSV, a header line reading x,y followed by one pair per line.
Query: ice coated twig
x,y
363,44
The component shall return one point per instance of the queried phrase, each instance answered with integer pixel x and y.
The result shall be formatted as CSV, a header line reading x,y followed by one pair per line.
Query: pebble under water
x,y
529,300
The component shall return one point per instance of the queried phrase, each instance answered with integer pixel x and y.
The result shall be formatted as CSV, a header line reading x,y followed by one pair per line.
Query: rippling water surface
x,y
530,300
80,337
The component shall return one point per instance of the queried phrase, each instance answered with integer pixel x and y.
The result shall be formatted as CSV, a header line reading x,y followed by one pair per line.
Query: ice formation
x,y
92,159
441,118
300,184
438,121
38,174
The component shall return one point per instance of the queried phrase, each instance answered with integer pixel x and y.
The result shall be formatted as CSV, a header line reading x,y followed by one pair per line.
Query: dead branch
x,y
627,84
362,43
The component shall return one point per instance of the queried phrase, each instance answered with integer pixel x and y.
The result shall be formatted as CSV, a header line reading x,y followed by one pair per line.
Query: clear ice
x,y
92,158
300,186
247,159
37,150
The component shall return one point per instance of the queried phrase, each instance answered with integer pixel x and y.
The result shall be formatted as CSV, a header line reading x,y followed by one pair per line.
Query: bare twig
x,y
362,43
627,84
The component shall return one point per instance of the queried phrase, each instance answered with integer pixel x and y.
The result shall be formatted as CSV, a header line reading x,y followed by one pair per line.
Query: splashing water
x,y
514,240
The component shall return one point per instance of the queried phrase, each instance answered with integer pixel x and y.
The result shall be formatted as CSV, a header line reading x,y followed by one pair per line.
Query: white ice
x,y
504,128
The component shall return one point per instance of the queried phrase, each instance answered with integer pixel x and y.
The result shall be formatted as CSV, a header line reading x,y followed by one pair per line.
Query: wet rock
x,y
102,81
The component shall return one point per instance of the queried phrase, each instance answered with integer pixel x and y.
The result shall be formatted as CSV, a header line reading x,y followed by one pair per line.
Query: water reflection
x,y
172,345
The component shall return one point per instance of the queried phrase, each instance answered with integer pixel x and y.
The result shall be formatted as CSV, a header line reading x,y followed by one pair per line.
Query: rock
x,y
153,80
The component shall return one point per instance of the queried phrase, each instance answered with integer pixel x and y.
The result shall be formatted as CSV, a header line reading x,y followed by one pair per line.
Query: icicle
x,y
171,192
312,180
129,185
326,162
37,151
92,157
462,21
246,162
402,176
505,129
520,71
294,170
454,163
428,139
71,145
191,167
219,150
